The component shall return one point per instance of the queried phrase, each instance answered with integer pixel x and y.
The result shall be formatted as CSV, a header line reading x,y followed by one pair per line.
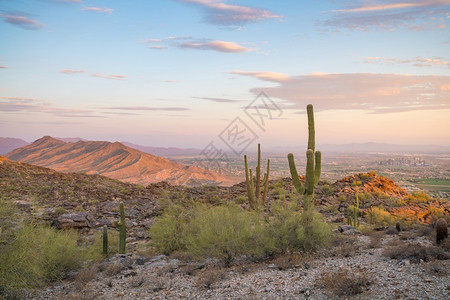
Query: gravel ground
x,y
378,277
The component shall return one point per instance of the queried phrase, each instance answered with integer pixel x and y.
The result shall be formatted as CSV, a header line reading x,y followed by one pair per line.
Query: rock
x,y
74,220
348,230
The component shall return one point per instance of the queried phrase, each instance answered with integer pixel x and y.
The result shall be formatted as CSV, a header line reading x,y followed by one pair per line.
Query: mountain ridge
x,y
113,160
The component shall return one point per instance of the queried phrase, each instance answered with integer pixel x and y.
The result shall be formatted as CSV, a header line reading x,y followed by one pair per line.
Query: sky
x,y
226,74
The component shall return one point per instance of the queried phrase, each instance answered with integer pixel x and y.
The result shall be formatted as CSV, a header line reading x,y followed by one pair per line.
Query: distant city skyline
x,y
185,73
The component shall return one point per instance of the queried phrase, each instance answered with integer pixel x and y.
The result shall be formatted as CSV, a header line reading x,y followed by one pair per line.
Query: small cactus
x,y
441,230
254,183
398,227
123,230
105,240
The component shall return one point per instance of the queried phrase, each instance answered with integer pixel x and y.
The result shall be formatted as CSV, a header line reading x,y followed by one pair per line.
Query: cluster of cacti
x,y
105,240
123,230
313,165
441,230
353,212
254,183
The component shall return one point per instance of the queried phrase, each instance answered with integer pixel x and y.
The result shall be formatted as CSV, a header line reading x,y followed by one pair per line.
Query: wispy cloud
x,y
263,75
21,21
69,71
220,100
389,15
70,1
3,67
137,108
376,93
158,47
219,12
188,42
109,76
417,61
98,9
220,46
17,104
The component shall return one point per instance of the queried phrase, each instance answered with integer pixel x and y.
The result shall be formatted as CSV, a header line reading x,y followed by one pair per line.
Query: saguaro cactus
x,y
105,240
254,183
123,230
313,162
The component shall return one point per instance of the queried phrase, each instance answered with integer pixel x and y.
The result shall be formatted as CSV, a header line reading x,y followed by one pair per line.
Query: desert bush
x,y
283,225
417,197
287,261
380,217
209,277
84,276
416,252
167,233
36,255
227,232
345,282
319,235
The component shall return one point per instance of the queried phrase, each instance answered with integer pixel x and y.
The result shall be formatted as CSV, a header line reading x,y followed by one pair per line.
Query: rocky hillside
x,y
113,160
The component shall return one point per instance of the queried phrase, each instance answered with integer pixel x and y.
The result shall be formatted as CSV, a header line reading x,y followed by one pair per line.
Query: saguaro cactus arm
x,y
317,167
295,178
258,174
266,182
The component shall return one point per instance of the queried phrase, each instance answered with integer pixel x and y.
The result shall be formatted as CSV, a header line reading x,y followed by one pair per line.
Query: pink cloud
x,y
110,76
417,61
376,93
220,46
22,21
412,15
218,12
68,71
264,75
3,67
157,47
98,9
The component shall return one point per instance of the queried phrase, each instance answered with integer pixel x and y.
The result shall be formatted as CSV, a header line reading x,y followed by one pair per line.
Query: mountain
x,y
9,144
113,160
71,140
161,151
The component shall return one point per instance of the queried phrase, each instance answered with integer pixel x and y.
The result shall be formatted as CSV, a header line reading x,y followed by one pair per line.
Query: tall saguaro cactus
x,y
313,164
254,183
123,230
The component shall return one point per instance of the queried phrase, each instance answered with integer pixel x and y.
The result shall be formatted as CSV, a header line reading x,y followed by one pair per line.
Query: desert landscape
x,y
224,149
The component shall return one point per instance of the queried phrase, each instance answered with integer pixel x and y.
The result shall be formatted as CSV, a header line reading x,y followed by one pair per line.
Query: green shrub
x,y
167,233
380,217
319,235
227,232
37,255
241,199
283,227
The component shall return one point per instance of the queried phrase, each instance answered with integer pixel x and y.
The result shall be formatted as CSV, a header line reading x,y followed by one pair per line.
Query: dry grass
x,y
344,246
138,281
83,277
113,269
416,252
209,277
436,268
345,282
292,260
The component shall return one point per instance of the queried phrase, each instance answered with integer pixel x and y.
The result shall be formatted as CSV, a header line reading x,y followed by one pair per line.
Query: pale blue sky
x,y
177,72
